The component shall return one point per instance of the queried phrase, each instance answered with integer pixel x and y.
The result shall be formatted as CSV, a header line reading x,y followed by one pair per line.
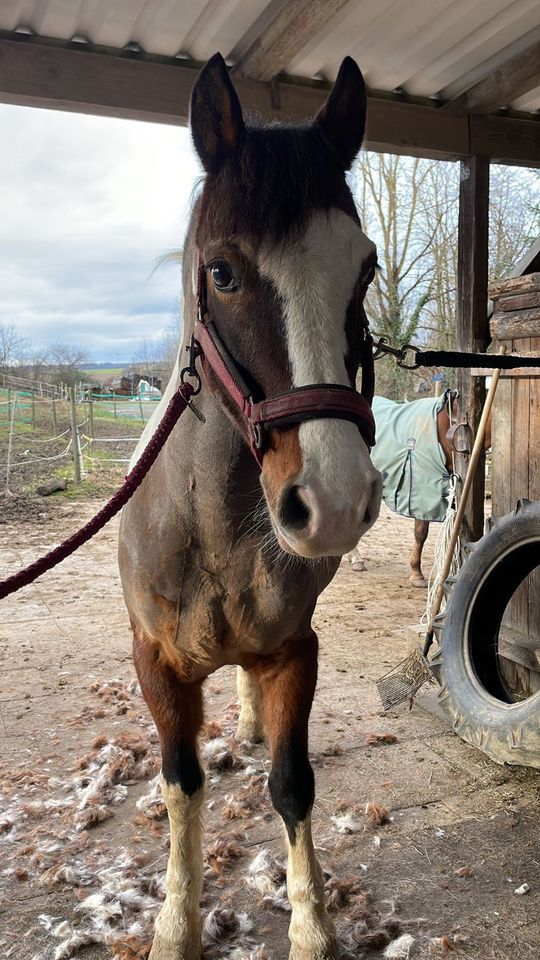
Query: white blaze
x,y
315,277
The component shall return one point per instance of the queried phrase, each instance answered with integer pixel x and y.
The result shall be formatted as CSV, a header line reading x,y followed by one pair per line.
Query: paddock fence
x,y
64,432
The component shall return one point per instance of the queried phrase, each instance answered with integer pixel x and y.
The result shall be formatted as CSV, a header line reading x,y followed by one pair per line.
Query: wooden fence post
x,y
472,319
53,411
90,415
75,447
11,409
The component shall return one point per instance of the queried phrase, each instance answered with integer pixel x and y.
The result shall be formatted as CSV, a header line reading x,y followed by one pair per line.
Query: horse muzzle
x,y
309,524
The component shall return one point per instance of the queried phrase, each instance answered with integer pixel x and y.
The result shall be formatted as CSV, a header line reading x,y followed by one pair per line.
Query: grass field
x,y
104,373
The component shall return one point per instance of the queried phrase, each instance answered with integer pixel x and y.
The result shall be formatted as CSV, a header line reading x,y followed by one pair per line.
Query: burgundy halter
x,y
318,400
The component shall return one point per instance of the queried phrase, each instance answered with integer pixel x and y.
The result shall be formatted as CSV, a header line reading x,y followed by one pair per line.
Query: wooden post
x,y
75,449
90,415
53,411
11,410
472,319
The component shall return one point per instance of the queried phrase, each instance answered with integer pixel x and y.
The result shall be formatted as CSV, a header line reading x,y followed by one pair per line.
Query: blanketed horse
x,y
414,453
243,519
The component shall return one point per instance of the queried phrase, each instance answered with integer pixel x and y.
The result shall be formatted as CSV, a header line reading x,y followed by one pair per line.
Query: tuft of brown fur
x,y
220,855
130,947
377,813
344,892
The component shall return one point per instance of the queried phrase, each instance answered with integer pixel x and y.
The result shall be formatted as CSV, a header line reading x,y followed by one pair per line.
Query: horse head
x,y
279,256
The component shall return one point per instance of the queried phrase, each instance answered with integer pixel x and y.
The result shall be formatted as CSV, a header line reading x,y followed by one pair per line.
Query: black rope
x,y
453,358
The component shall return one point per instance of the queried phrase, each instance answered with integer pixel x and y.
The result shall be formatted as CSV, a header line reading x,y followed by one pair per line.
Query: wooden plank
x,y
534,493
519,284
531,372
511,80
501,494
97,80
286,35
521,648
515,324
518,441
522,301
506,140
472,322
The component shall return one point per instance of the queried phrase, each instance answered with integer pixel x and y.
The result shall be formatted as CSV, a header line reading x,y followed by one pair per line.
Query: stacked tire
x,y
473,692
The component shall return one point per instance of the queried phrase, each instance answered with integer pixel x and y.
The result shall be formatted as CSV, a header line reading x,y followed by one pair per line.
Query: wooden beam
x,y
285,36
40,73
506,140
511,80
472,319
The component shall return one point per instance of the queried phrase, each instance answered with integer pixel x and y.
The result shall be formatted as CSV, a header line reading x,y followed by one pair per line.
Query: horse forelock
x,y
272,185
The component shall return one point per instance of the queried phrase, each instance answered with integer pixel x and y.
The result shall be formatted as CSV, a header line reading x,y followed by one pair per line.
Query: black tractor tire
x,y
473,693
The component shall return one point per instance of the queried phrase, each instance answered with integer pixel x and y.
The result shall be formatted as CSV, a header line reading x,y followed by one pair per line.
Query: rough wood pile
x,y
516,307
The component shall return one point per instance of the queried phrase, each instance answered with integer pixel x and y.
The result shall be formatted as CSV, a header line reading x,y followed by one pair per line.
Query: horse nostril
x,y
367,516
294,514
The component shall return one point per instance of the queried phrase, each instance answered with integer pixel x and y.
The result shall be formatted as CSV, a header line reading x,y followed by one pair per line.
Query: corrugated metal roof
x,y
428,48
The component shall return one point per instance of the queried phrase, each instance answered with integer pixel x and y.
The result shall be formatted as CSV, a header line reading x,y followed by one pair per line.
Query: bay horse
x,y
243,519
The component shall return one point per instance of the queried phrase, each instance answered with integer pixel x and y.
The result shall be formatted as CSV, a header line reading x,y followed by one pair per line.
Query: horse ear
x,y
215,115
343,116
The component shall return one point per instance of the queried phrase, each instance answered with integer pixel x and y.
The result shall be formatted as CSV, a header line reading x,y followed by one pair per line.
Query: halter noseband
x,y
318,400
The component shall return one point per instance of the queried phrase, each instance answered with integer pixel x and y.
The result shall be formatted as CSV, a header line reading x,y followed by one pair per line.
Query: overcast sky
x,y
88,204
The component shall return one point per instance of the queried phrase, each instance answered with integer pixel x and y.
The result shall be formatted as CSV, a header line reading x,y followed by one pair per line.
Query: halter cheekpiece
x,y
312,402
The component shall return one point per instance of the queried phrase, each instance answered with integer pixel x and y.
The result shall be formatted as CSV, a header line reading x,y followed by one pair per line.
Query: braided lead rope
x,y
27,575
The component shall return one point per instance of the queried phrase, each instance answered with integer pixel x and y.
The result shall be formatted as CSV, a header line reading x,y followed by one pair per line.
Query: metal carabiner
x,y
403,351
190,372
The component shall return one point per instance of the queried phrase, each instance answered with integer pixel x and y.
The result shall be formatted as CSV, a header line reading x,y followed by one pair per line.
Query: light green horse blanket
x,y
416,482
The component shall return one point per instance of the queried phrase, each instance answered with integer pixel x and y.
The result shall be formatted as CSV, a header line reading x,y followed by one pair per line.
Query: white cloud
x,y
88,205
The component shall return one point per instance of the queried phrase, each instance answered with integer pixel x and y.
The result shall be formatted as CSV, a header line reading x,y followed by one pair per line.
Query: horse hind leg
x,y
288,686
177,710
421,530
250,722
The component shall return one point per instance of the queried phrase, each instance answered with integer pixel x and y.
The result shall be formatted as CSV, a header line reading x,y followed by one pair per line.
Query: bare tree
x,y
64,363
389,192
14,349
410,208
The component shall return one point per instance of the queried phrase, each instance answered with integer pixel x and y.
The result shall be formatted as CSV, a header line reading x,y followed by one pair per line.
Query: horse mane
x,y
278,176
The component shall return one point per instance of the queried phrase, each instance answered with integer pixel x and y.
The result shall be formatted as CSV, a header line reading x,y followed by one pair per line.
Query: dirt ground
x,y
462,832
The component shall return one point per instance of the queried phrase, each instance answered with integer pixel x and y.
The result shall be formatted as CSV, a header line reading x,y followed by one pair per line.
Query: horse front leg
x,y
177,710
250,722
288,683
421,530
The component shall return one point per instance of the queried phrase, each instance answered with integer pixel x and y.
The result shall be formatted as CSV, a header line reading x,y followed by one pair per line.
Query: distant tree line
x,y
59,363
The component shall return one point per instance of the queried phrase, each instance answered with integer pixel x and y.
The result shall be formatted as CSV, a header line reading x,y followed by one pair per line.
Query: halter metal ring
x,y
402,359
188,374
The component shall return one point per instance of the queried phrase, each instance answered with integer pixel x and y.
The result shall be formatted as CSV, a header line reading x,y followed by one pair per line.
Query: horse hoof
x,y
359,566
419,582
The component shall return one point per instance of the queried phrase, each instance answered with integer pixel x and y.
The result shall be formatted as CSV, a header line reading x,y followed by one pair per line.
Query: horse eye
x,y
223,277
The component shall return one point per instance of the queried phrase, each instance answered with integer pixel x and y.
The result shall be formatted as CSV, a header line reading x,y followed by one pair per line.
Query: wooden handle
x,y
473,463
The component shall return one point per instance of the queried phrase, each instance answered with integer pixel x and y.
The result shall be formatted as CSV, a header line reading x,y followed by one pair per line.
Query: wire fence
x,y
43,435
